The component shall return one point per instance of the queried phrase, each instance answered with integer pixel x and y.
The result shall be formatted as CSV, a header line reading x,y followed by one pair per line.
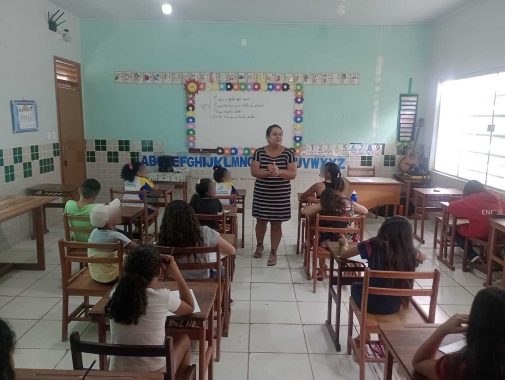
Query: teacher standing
x,y
273,166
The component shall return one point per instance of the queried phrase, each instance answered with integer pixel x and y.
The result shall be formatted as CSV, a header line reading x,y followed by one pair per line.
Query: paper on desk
x,y
175,293
453,347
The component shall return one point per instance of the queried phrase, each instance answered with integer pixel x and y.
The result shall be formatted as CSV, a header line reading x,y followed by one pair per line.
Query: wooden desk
x,y
162,195
374,191
402,342
182,185
129,215
448,236
410,183
348,272
55,374
205,293
423,196
496,227
12,206
65,192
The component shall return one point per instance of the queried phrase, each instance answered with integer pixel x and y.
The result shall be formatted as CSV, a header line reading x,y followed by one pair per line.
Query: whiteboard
x,y
240,118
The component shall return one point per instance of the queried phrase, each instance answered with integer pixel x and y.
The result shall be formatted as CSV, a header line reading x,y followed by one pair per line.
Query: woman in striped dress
x,y
273,166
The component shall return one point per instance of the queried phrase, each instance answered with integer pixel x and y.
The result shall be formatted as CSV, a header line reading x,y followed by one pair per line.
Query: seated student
x,y
88,191
484,353
224,183
7,342
180,228
391,250
330,172
335,204
476,205
134,177
203,202
138,310
105,218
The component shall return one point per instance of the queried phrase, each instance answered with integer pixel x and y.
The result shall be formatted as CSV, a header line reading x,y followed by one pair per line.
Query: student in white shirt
x,y
138,309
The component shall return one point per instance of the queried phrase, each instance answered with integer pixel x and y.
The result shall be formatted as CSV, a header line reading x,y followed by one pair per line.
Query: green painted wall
x,y
332,114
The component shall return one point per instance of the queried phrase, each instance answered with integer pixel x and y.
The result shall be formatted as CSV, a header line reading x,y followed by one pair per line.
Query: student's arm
x,y
131,246
424,360
225,248
359,209
312,209
187,305
289,173
257,172
459,208
347,251
310,192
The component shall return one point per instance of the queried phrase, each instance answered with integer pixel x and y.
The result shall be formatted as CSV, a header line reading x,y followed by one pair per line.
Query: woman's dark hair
x,y
219,173
180,226
472,187
483,356
202,189
394,250
7,342
332,203
129,301
336,180
269,129
129,171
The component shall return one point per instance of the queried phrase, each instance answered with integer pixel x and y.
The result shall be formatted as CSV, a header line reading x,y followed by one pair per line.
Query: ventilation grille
x,y
67,74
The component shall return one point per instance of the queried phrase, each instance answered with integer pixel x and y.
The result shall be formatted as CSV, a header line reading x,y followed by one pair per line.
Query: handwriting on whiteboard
x,y
233,107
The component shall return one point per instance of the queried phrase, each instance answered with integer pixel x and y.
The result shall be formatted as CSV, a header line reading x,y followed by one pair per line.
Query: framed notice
x,y
24,116
407,113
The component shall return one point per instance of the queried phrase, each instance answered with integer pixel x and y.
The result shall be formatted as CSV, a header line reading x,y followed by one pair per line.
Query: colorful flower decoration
x,y
191,145
190,114
222,86
190,132
213,86
243,86
191,138
240,152
253,150
270,87
190,120
297,127
297,138
298,87
298,100
298,112
191,86
256,86
278,87
236,86
297,145
190,108
249,86
285,87
234,151
201,86
299,93
298,119
191,102
226,151
229,86
246,152
190,126
220,150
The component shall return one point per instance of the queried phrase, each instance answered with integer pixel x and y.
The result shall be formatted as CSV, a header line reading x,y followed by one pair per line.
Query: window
x,y
471,129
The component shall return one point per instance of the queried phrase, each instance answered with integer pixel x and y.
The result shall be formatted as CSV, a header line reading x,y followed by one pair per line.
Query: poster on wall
x,y
24,116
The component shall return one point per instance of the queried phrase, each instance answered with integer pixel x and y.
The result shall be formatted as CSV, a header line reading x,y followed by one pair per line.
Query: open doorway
x,y
70,121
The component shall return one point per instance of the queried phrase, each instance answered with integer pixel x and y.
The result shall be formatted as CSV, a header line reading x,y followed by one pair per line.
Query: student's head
x,y
472,187
132,170
89,189
221,174
106,215
180,226
205,188
7,342
274,134
129,301
331,174
485,338
332,203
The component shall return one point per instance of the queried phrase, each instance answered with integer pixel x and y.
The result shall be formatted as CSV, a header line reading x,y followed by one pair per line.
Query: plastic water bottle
x,y
354,196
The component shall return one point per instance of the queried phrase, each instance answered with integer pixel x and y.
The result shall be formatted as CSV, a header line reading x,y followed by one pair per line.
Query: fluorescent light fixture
x,y
166,8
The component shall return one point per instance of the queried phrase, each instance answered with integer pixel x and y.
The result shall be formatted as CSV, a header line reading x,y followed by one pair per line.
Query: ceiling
x,y
361,12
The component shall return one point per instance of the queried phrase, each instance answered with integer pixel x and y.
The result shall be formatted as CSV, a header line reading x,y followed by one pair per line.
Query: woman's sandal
x,y
259,251
272,258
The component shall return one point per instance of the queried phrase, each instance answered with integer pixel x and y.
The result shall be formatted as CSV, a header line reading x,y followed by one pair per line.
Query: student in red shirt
x,y
477,205
483,357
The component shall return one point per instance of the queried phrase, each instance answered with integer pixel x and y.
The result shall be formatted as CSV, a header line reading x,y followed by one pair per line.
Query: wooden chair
x,y
362,347
356,225
361,171
483,247
70,223
79,347
438,225
215,221
147,218
160,197
239,202
81,284
222,303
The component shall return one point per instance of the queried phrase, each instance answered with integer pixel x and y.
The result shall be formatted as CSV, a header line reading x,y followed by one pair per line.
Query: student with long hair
x,y
203,201
7,342
330,172
134,175
391,250
138,309
483,357
333,203
180,228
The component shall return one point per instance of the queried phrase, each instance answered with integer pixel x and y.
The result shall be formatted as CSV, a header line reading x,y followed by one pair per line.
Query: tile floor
x,y
276,332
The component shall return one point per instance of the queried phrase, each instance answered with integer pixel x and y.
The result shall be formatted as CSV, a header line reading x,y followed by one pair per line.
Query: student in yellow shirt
x,y
88,191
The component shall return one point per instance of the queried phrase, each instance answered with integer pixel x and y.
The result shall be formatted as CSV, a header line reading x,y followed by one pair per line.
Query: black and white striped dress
x,y
272,195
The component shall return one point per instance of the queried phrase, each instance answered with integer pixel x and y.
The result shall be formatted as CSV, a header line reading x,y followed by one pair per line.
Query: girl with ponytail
x,y
138,309
332,179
